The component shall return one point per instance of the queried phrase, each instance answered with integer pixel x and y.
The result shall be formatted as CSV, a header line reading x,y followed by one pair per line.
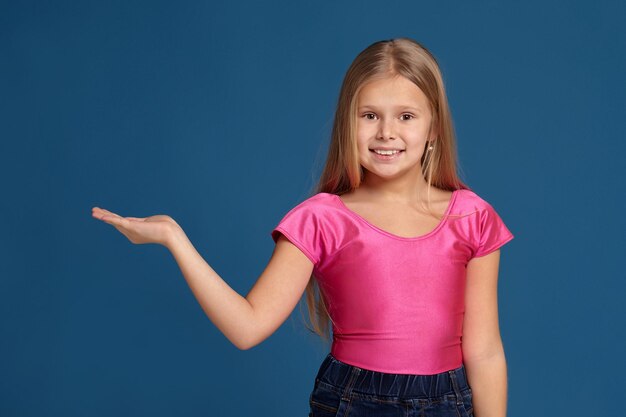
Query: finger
x,y
104,216
109,213
115,220
98,215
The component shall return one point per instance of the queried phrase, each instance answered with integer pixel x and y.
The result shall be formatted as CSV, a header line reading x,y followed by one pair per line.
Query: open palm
x,y
153,229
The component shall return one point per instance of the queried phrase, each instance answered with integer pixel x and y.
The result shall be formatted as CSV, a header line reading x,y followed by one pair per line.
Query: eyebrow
x,y
415,109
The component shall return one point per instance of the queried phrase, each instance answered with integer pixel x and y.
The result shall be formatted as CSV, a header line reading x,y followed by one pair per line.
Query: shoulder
x,y
468,201
316,202
311,226
320,207
484,226
320,199
471,207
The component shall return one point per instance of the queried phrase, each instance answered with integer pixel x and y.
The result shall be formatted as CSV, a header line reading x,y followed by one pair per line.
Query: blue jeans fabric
x,y
343,390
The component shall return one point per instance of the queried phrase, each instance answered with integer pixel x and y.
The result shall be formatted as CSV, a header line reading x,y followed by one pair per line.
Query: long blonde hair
x,y
342,171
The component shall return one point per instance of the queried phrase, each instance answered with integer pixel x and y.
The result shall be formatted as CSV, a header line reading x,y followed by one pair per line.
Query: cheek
x,y
362,141
362,148
414,130
366,128
365,135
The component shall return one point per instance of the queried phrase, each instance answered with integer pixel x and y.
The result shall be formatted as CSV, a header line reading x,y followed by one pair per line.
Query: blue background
x,y
219,115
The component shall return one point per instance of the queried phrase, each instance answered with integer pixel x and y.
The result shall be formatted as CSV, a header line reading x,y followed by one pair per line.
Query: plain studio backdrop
x,y
219,114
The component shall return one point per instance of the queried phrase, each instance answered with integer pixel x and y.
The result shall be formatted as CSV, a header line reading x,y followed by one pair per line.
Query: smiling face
x,y
392,114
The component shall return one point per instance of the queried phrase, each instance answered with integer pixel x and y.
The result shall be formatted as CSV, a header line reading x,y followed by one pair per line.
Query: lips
x,y
399,151
382,157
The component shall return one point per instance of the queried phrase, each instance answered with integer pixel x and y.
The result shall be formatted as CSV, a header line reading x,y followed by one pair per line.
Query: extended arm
x,y
247,321
483,352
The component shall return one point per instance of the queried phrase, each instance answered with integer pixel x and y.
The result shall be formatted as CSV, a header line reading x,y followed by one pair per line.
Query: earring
x,y
431,147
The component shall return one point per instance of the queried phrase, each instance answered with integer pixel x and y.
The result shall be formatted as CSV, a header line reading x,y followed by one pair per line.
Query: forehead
x,y
396,91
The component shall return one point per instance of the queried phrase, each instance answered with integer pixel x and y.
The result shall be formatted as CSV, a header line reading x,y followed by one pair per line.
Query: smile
x,y
386,155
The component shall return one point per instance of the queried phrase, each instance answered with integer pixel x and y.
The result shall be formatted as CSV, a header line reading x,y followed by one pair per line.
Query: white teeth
x,y
381,152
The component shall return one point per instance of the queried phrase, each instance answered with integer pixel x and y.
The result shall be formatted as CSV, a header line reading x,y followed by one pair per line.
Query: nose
x,y
386,129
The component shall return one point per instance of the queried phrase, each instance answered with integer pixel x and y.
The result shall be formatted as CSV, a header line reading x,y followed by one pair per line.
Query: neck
x,y
404,189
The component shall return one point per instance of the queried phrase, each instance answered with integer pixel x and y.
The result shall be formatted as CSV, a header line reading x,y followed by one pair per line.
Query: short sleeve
x,y
492,231
302,226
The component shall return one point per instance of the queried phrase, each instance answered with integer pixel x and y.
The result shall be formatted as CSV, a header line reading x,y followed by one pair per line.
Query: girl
x,y
392,248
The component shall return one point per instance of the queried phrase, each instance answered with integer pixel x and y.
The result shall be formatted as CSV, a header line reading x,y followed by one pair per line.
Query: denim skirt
x,y
343,390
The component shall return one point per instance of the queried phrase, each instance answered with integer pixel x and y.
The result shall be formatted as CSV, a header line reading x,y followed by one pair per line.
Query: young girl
x,y
392,248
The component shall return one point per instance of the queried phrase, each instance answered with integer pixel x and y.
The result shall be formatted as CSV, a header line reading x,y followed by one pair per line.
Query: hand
x,y
153,229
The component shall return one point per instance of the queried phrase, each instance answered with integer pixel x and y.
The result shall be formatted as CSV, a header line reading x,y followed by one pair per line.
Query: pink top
x,y
397,303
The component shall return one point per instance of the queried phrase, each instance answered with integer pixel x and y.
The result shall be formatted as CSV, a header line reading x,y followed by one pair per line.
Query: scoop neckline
x,y
385,232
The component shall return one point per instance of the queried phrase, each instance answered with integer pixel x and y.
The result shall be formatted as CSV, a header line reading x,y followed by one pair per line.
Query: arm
x,y
247,321
483,353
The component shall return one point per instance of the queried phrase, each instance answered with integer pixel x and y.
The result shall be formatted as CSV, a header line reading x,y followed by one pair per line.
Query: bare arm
x,y
247,321
483,352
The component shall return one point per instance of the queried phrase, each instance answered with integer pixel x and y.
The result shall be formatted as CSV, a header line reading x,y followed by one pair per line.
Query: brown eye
x,y
366,115
408,116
